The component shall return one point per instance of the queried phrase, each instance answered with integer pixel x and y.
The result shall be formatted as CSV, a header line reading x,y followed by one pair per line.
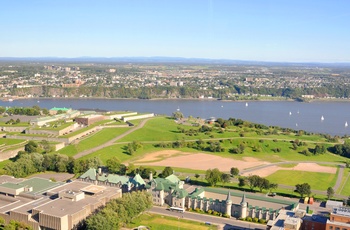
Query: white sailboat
x,y
290,113
178,108
296,124
322,118
246,104
346,124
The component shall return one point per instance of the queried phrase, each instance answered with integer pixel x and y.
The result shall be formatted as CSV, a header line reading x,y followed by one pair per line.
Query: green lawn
x,y
6,141
346,183
92,141
159,222
318,181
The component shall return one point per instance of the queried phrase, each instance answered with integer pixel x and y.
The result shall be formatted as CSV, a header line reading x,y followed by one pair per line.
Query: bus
x,y
177,209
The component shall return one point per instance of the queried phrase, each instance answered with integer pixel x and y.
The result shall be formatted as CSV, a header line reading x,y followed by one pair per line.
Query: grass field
x,y
345,186
159,222
317,180
92,141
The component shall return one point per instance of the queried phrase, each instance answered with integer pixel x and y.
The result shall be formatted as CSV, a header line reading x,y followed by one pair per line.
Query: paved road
x,y
223,222
111,142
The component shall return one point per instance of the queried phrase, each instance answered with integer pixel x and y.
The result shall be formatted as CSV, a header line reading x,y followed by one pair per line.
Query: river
x,y
295,115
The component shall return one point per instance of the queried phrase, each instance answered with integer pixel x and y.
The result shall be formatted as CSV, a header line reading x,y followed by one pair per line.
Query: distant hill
x,y
168,60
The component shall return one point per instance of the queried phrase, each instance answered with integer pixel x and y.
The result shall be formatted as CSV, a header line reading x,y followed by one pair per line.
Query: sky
x,y
255,30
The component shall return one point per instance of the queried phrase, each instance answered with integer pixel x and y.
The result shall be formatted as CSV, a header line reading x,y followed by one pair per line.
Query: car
x,y
272,194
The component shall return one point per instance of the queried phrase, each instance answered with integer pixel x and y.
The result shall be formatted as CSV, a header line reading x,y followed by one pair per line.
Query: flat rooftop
x,y
40,185
93,189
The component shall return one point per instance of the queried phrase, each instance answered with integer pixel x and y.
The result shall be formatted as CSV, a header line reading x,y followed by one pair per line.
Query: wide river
x,y
317,117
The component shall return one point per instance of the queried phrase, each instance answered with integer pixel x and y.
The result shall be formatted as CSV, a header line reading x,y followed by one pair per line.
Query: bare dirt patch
x,y
313,167
201,161
160,155
264,172
308,167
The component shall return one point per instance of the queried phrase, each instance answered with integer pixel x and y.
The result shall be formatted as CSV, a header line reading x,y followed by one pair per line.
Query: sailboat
x,y
290,113
178,108
246,104
296,124
322,118
346,124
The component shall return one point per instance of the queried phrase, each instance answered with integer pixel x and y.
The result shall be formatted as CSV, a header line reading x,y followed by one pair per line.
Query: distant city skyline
x,y
272,30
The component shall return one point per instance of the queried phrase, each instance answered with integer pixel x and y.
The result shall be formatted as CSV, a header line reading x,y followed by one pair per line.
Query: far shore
x,y
180,99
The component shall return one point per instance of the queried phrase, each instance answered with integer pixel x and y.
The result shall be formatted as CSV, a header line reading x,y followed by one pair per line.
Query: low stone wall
x,y
13,129
138,117
119,116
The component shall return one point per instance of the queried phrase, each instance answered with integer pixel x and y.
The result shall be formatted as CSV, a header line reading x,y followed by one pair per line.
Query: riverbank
x,y
179,99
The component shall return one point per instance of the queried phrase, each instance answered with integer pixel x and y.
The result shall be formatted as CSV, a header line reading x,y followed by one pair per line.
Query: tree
x,y
225,178
113,165
273,186
178,115
234,171
242,181
31,147
303,189
330,192
167,171
213,176
197,175
252,181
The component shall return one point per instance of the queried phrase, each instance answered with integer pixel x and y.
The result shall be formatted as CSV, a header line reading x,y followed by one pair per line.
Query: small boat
x,y
222,106
290,113
298,112
178,109
322,118
246,104
296,124
346,124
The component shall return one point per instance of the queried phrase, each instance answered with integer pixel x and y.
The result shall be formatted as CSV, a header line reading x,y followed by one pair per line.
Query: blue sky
x,y
262,30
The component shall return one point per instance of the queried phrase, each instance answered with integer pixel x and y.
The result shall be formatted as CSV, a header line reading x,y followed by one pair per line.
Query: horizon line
x,y
174,57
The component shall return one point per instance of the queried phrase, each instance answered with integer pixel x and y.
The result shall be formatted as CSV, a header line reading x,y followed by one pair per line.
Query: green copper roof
x,y
173,179
11,185
91,173
137,180
57,109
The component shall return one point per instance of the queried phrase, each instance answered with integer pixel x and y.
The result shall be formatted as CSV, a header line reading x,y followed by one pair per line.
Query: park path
x,y
110,142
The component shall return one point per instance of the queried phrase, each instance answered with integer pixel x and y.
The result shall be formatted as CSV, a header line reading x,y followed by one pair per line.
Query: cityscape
x,y
174,115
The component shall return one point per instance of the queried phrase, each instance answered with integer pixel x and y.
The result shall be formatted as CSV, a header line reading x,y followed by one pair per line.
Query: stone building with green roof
x,y
127,184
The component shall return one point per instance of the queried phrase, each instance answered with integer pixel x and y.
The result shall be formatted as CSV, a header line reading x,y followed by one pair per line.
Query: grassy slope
x,y
92,141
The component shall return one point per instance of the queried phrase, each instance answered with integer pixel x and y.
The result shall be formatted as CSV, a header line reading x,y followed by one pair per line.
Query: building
x,y
170,191
54,110
314,222
287,220
43,204
89,119
127,184
339,219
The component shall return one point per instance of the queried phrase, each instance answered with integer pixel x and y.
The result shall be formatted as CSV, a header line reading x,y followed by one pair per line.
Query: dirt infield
x,y
198,161
308,167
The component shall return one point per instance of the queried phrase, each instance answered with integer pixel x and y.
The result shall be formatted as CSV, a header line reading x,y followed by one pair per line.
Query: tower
x,y
244,206
228,204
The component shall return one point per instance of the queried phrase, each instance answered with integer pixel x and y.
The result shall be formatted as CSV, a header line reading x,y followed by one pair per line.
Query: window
x,y
330,227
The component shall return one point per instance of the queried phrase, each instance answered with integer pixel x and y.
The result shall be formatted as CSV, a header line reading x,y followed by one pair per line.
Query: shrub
x,y
210,211
262,221
255,220
249,219
215,213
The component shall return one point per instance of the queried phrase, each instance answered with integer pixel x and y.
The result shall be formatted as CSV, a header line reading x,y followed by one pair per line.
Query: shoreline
x,y
181,99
